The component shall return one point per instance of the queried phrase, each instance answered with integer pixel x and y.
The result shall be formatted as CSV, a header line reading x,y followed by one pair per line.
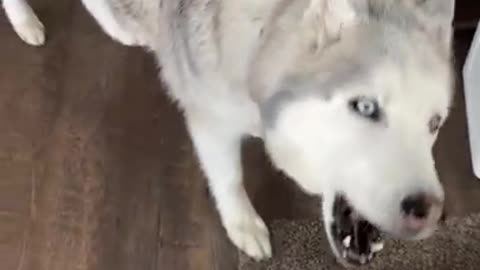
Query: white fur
x,y
226,61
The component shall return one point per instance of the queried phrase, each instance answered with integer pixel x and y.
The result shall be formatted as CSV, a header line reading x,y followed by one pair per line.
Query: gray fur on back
x,y
182,34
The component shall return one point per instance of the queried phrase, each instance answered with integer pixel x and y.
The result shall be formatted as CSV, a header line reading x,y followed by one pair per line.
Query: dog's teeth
x,y
346,241
344,254
376,247
363,260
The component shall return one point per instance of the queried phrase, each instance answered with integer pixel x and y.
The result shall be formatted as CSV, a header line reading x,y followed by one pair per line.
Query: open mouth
x,y
356,240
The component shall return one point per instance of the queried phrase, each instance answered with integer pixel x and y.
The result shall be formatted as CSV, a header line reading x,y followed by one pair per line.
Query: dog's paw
x,y
250,234
31,30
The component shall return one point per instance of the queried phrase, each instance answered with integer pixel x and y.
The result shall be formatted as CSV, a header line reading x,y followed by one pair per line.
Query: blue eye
x,y
366,107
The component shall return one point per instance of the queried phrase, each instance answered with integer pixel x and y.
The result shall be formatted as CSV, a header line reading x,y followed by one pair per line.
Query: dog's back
x,y
201,45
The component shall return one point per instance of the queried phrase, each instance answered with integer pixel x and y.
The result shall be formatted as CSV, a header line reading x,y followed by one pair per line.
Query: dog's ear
x,y
326,19
437,16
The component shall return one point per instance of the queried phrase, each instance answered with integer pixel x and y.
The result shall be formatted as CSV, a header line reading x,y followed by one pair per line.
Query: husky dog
x,y
348,96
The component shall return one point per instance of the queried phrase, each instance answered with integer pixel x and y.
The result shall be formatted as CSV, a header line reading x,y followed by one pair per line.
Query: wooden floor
x,y
97,171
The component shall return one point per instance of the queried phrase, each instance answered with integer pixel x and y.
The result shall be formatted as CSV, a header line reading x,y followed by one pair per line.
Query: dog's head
x,y
353,103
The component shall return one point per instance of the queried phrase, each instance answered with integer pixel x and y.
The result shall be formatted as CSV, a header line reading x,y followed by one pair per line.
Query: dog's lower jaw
x,y
333,246
328,201
353,240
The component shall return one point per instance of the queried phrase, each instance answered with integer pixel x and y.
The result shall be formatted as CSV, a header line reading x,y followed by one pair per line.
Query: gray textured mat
x,y
301,245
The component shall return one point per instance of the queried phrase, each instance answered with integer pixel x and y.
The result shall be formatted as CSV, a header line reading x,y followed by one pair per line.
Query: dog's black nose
x,y
416,206
421,210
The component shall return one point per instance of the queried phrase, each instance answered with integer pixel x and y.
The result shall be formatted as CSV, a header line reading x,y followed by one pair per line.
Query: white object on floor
x,y
471,76
24,21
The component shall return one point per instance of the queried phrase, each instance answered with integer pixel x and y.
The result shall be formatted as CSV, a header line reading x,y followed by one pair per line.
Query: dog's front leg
x,y
24,21
218,148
